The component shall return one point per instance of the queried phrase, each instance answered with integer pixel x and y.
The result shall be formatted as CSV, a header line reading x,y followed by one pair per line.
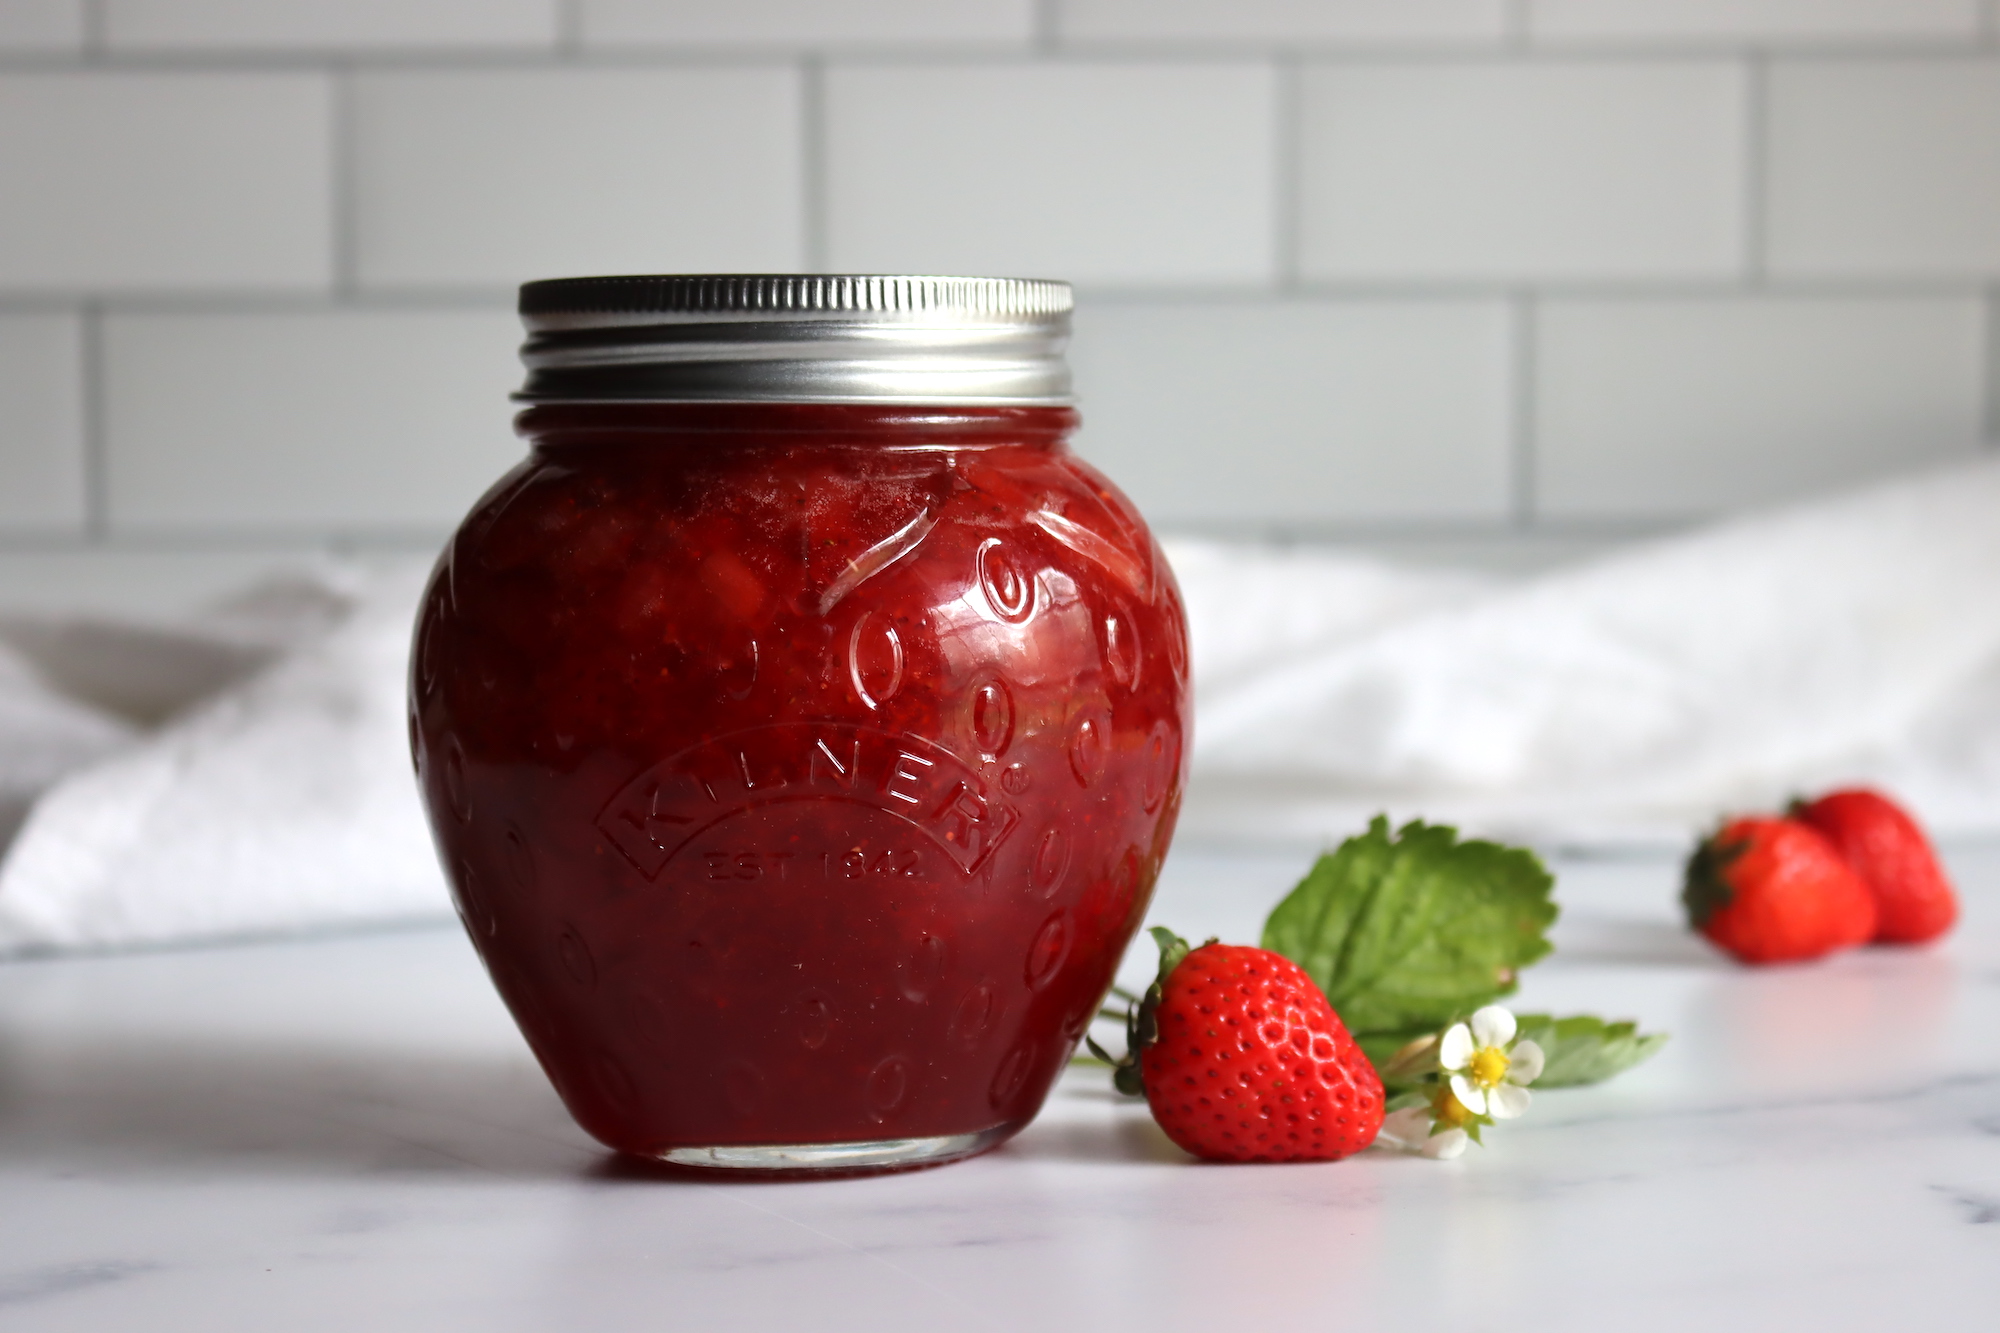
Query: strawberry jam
x,y
801,769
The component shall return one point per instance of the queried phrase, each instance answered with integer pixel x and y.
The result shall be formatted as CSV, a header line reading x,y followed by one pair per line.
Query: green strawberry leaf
x,y
1406,932
1583,1048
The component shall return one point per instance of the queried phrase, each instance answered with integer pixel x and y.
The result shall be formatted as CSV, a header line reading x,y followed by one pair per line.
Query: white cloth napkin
x,y
43,735
283,803
1630,699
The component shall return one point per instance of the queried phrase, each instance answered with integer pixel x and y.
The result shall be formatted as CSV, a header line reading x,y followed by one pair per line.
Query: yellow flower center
x,y
1488,1066
1448,1111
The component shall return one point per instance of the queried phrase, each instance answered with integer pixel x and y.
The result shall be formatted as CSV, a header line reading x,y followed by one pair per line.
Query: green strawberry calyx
x,y
1706,889
1142,1027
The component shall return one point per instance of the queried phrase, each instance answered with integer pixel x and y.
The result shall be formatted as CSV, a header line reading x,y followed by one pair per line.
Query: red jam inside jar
x,y
801,769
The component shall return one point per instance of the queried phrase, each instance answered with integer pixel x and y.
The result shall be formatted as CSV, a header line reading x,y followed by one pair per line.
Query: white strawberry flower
x,y
1489,1070
1420,1129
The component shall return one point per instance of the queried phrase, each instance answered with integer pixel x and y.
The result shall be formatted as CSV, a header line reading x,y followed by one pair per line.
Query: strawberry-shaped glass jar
x,y
801,724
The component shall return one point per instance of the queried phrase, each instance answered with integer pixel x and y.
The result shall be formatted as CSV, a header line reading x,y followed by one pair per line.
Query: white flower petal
x,y
1447,1145
1527,1063
1456,1048
1493,1026
1470,1095
1407,1128
1507,1101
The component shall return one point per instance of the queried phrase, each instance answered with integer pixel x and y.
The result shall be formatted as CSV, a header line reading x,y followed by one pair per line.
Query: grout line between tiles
x,y
1047,36
518,58
344,150
1287,201
569,28
1756,164
95,30
812,163
1515,34
1523,328
96,482
1990,365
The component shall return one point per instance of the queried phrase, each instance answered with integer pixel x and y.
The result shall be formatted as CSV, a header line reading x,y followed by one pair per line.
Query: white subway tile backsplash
x,y
806,22
1299,414
42,485
149,181
1885,167
277,25
1305,21
1102,174
1709,21
309,421
1498,172
1304,231
41,25
1686,406
482,178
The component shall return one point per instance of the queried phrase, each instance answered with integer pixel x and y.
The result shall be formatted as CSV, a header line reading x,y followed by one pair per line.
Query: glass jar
x,y
801,724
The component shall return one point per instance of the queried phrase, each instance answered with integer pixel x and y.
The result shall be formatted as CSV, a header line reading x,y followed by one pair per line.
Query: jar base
x,y
837,1158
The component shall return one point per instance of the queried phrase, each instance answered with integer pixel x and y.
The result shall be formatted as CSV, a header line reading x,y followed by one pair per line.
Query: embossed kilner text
x,y
664,808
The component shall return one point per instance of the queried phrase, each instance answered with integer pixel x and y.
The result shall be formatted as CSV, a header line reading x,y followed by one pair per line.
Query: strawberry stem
x,y
1141,1030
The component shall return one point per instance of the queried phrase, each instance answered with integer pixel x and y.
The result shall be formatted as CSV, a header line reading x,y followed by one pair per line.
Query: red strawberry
x,y
1771,890
1913,899
1243,1060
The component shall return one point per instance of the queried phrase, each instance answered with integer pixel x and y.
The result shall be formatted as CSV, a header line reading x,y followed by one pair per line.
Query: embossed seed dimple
x,y
974,1014
1086,749
521,861
427,653
992,717
889,1085
1051,862
457,794
1121,649
1050,948
478,912
1011,1076
1162,758
1008,588
874,659
576,959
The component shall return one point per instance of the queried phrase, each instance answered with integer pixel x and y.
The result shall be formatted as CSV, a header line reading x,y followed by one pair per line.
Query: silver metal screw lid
x,y
796,338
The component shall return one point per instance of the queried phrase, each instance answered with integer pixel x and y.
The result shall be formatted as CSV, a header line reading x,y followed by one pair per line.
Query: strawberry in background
x,y
1914,901
1769,890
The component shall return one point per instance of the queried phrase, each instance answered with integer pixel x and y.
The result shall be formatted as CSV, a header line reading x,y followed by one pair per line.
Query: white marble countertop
x,y
346,1134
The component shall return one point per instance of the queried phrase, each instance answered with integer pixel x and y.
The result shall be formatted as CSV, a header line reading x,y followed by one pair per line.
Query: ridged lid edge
x,y
739,295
